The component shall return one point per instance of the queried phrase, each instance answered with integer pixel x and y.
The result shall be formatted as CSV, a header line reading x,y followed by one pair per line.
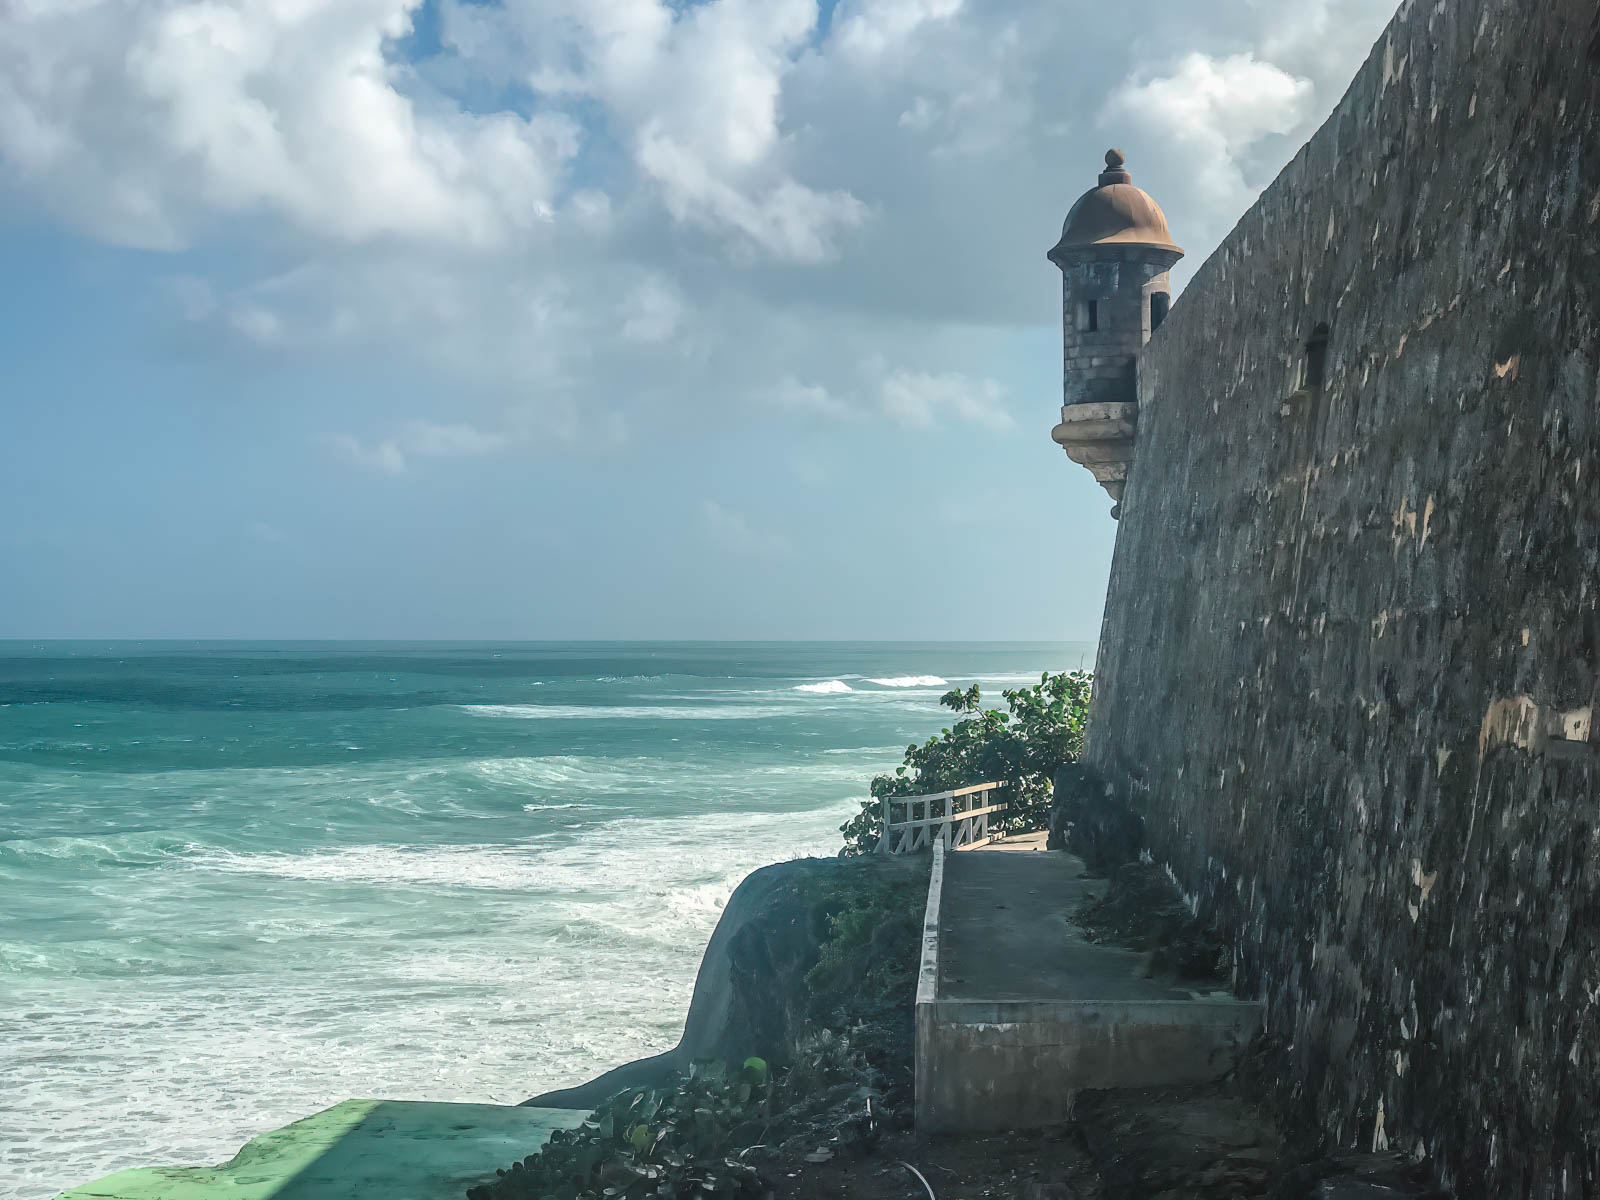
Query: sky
x,y
586,318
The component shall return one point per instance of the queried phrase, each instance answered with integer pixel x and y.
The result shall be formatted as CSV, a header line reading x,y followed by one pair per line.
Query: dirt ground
x,y
1011,1165
1206,1143
1181,1143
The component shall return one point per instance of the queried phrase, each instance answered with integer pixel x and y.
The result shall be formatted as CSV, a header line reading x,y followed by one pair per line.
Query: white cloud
x,y
922,401
1206,114
450,441
808,399
416,439
919,116
582,216
383,457
147,122
1322,39
787,220
694,93
910,399
256,324
729,530
652,311
872,27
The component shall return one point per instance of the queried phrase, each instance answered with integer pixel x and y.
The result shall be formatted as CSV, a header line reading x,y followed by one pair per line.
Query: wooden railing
x,y
959,819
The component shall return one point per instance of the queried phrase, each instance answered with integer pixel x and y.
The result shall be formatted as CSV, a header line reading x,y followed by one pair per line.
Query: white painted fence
x,y
958,819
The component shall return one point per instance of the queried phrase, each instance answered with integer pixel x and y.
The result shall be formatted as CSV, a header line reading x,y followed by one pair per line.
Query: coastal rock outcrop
x,y
757,991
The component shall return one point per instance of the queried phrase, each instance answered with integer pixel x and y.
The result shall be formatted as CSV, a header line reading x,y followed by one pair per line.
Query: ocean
x,y
240,882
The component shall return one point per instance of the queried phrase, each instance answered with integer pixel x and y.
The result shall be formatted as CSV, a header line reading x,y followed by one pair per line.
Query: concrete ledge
x,y
1017,1011
982,1068
928,973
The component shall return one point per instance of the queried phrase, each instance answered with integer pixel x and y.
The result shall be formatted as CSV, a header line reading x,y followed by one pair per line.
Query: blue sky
x,y
589,318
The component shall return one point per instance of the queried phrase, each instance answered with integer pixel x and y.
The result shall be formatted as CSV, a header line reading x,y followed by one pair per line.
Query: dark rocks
x,y
1218,1143
1353,1176
1177,1143
1143,910
1090,819
1345,1188
1036,1189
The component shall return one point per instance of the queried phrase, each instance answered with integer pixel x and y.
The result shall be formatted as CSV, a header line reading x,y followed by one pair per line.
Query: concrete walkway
x,y
1006,933
1020,1010
1017,843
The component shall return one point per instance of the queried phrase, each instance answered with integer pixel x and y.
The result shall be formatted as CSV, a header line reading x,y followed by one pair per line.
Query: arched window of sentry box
x,y
1160,303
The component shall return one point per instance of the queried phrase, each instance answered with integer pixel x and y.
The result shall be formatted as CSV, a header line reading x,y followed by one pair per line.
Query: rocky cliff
x,y
759,989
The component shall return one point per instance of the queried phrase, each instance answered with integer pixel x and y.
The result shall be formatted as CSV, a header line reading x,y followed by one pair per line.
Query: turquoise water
x,y
241,882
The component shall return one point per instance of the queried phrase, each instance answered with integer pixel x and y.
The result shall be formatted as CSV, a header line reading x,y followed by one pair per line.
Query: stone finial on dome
x,y
1114,172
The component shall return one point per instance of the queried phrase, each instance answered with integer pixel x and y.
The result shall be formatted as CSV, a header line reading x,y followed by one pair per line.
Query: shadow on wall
x,y
1090,819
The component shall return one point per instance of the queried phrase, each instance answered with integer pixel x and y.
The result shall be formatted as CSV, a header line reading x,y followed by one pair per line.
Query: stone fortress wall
x,y
1350,669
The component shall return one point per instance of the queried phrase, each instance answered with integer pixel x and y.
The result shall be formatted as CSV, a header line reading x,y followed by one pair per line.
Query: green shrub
x,y
674,1142
1020,748
865,913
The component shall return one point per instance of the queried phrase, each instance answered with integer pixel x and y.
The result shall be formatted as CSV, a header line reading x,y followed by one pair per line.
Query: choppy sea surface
x,y
240,882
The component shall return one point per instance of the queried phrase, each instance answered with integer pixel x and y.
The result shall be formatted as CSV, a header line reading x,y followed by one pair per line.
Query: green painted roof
x,y
357,1150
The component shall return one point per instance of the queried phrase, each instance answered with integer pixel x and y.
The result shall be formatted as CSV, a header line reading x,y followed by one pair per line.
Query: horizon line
x,y
558,641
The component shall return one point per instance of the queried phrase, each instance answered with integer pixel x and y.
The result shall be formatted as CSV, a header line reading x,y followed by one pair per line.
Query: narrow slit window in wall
x,y
1316,359
1091,315
1308,405
1159,303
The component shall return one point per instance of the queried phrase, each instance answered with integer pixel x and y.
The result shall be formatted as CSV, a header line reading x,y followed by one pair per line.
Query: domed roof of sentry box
x,y
1114,214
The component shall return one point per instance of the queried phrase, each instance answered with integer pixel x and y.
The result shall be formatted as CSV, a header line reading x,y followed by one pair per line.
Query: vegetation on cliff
x,y
829,951
669,1141
869,961
1023,747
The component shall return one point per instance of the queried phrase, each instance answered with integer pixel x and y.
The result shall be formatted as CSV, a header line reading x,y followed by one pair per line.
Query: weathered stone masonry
x,y
1350,668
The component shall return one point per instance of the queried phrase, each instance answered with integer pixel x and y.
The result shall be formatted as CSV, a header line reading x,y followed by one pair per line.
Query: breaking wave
x,y
629,712
235,887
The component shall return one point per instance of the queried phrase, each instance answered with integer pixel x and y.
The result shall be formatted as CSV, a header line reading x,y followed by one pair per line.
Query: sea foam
x,y
473,1001
219,917
629,712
